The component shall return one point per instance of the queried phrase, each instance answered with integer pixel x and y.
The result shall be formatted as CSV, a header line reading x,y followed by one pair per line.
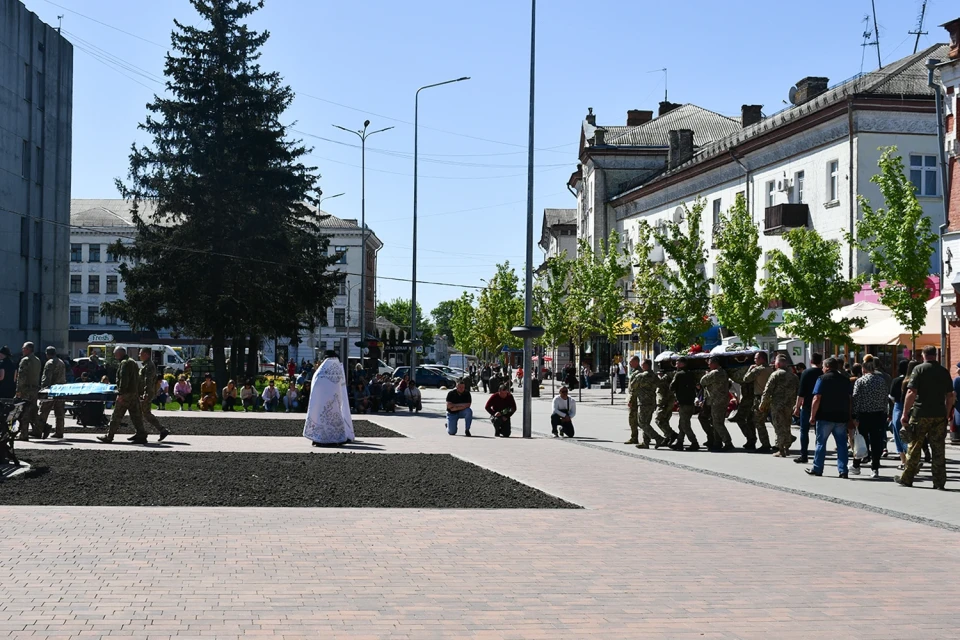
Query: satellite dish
x,y
792,95
678,215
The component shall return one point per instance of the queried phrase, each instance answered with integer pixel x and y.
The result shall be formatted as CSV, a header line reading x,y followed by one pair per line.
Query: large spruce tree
x,y
227,246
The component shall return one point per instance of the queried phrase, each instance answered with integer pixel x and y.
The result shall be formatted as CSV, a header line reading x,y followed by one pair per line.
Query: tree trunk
x,y
253,356
612,376
236,356
219,361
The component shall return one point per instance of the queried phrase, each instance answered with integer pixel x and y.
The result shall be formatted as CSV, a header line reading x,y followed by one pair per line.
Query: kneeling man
x,y
501,406
458,406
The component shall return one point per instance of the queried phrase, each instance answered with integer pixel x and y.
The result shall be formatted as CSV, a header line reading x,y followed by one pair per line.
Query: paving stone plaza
x,y
667,544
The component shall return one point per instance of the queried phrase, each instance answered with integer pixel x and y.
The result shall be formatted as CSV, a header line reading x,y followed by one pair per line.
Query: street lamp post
x,y
529,332
363,134
413,279
336,195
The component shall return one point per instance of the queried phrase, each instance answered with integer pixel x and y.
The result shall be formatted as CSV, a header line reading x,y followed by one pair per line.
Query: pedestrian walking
x,y
665,400
684,386
808,380
643,399
779,397
897,391
756,421
128,399
716,396
870,397
830,412
926,410
147,380
28,387
54,372
622,376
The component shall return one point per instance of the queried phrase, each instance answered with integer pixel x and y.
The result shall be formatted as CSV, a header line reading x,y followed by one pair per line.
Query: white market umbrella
x,y
891,332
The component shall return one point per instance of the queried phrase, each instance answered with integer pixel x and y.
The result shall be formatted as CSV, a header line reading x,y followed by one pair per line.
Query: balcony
x,y
780,218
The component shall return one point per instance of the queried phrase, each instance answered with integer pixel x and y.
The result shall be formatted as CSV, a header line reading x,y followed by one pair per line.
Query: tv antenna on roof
x,y
664,70
60,23
919,32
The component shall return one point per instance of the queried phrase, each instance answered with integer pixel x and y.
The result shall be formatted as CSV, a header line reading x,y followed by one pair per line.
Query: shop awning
x,y
891,332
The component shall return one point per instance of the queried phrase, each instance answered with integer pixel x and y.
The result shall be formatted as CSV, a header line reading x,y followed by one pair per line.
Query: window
x,y
74,315
833,180
110,320
93,253
37,307
716,213
93,284
339,317
771,190
342,254
93,315
39,165
112,284
37,239
923,174
110,255
342,288
25,160
24,237
27,86
76,284
76,253
41,93
798,186
23,310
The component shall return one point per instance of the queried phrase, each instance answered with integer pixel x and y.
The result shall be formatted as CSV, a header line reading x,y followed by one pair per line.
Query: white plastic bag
x,y
859,446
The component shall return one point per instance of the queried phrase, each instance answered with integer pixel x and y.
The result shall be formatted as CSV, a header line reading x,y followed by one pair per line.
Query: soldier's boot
x,y
693,446
661,442
633,435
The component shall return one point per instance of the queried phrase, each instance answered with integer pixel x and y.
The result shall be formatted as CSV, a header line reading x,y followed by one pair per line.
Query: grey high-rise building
x,y
36,124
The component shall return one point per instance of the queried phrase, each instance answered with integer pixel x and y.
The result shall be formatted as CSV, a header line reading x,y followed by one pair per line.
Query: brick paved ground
x,y
659,551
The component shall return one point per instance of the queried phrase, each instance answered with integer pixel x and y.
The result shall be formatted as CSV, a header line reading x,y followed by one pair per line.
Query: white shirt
x,y
566,407
270,393
291,394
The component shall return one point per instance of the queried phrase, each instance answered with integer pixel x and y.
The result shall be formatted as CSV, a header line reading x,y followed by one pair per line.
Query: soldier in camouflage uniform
x,y
716,395
128,399
754,423
28,386
643,390
147,381
779,396
54,372
927,408
665,400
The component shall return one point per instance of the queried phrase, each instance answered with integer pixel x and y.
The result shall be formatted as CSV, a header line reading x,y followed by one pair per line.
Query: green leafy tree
x,y
226,183
900,243
649,290
811,282
499,309
688,295
740,306
397,311
551,304
463,323
441,319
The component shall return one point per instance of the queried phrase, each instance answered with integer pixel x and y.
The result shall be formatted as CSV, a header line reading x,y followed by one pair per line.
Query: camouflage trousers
x,y
28,419
755,426
59,412
639,418
686,428
718,418
782,418
126,403
919,431
146,414
663,420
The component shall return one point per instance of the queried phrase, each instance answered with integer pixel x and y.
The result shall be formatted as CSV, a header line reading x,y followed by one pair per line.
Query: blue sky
x,y
366,58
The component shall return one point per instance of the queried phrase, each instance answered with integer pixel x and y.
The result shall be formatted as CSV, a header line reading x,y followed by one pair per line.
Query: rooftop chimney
x,y
953,28
681,147
635,117
667,107
750,114
598,137
591,119
809,88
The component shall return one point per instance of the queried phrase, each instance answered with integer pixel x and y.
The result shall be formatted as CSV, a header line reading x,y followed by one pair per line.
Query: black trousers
x,y
501,426
873,428
566,428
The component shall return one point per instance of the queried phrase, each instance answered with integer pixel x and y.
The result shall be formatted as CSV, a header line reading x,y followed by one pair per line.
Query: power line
x,y
109,26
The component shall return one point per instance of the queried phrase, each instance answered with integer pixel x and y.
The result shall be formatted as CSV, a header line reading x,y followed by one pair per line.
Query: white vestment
x,y
328,416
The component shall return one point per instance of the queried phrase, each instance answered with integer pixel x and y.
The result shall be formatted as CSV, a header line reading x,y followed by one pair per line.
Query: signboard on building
x,y
100,337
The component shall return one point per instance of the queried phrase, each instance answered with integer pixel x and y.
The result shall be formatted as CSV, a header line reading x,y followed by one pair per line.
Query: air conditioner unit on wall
x,y
953,147
783,184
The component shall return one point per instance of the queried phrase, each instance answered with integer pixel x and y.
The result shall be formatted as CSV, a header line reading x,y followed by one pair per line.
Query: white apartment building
x,y
558,233
95,279
949,78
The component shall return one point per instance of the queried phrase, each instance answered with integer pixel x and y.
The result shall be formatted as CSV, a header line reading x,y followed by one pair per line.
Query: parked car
x,y
427,377
452,372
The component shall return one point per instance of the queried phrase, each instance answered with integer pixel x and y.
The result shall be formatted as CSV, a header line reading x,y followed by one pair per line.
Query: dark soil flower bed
x,y
199,425
418,481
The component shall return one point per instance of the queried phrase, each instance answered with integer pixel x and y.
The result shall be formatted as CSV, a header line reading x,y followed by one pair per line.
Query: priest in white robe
x,y
328,414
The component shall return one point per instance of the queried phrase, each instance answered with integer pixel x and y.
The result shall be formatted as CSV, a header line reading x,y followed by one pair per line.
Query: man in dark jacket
x,y
684,386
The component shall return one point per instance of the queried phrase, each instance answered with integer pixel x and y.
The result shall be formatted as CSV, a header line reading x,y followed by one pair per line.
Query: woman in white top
x,y
290,400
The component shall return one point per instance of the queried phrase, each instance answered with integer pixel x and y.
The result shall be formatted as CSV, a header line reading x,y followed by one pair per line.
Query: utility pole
x,y
919,32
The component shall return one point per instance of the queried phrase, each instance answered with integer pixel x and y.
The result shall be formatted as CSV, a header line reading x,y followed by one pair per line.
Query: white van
x,y
462,361
163,355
